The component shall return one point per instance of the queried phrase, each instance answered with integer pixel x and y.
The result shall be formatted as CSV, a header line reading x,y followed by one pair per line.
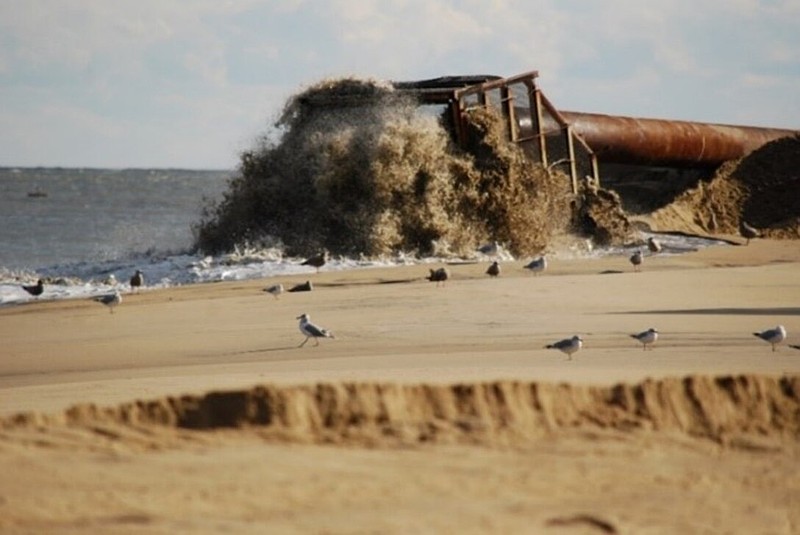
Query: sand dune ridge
x,y
503,412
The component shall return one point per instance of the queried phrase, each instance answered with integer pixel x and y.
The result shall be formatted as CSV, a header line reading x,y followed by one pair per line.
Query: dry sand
x,y
434,410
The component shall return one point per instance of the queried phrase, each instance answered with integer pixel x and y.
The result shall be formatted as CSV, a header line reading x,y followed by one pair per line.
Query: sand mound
x,y
723,409
763,189
601,216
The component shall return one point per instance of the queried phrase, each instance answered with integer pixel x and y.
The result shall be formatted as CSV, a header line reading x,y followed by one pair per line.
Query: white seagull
x,y
567,345
312,331
275,290
110,300
537,265
654,245
646,337
773,336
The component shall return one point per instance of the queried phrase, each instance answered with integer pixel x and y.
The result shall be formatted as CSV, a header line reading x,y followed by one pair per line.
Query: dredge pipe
x,y
629,140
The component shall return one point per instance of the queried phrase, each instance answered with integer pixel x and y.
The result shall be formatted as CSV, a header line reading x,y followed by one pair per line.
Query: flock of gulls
x,y
568,346
537,266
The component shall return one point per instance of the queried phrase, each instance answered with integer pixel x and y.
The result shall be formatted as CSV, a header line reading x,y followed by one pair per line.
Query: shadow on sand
x,y
773,311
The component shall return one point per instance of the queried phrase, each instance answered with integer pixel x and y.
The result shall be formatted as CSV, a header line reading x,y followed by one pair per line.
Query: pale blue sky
x,y
192,83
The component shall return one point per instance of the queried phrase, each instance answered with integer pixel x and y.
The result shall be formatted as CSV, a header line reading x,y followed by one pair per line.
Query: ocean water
x,y
98,214
85,231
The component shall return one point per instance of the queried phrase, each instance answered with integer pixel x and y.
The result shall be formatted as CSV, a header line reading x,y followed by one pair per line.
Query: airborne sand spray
x,y
360,170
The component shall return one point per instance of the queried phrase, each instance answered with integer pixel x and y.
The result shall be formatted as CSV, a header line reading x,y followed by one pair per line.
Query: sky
x,y
193,83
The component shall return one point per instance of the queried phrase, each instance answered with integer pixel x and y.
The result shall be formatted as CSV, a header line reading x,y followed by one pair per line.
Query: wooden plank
x,y
539,119
573,171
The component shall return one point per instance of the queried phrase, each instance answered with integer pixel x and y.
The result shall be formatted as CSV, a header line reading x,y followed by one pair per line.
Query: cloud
x,y
174,83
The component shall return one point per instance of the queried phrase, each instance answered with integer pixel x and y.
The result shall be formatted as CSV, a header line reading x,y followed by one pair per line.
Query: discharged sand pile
x,y
763,189
723,409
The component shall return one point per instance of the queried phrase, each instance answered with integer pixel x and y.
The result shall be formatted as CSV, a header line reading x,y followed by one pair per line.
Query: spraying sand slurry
x,y
360,171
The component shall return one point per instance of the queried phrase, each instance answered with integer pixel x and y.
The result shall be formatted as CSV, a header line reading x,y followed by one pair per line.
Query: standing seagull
x,y
567,345
35,290
317,261
275,290
137,280
494,270
110,300
747,231
312,331
646,337
537,265
773,336
654,245
636,260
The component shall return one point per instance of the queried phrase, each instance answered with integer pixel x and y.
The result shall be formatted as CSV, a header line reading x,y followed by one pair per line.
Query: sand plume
x,y
359,170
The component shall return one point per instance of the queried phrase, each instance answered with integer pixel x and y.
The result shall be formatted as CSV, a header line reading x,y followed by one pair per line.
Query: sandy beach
x,y
434,410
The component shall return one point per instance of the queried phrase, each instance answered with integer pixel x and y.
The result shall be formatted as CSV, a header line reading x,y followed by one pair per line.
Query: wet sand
x,y
579,475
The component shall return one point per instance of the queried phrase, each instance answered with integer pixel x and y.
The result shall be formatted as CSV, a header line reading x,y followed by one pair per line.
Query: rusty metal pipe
x,y
632,140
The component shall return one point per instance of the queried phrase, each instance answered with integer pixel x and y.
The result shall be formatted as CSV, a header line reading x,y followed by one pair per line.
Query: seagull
x,y
654,245
137,280
312,331
747,231
636,259
35,290
773,336
305,287
110,300
567,345
537,265
439,276
489,249
317,261
494,270
646,337
275,290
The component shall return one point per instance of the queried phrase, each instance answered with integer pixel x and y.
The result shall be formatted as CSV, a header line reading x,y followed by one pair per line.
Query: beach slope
x,y
434,408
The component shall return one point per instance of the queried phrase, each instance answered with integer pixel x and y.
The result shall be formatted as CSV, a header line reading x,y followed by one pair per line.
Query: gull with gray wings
x,y
310,330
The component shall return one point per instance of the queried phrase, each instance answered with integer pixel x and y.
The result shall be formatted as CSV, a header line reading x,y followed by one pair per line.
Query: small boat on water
x,y
37,193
